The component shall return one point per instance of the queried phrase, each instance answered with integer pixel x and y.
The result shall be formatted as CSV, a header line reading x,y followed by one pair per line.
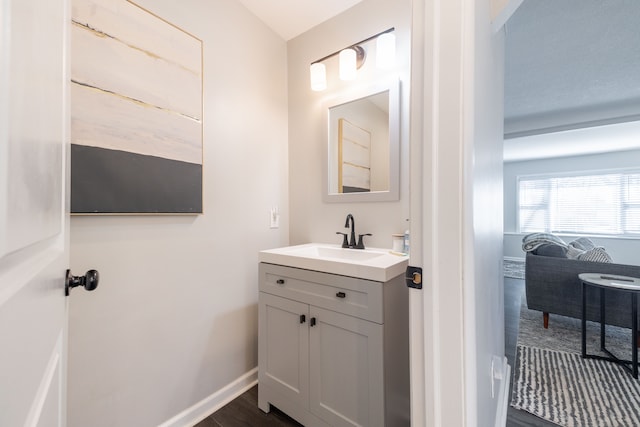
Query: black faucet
x,y
352,241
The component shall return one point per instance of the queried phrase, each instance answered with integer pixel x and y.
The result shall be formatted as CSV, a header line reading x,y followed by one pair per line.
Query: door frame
x,y
443,391
436,311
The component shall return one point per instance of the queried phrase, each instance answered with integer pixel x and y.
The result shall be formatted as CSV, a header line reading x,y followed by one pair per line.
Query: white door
x,y
33,211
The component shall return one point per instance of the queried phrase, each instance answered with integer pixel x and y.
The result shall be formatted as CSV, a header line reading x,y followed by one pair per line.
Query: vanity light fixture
x,y
352,58
318,77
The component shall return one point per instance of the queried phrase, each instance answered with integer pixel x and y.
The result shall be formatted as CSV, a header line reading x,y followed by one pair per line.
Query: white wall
x,y
313,220
174,319
623,250
483,291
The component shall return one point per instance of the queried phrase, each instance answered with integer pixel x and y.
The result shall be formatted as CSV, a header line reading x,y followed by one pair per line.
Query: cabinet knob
x,y
280,281
303,318
312,322
341,295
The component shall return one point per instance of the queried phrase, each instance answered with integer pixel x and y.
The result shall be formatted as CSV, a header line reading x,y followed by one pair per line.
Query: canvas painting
x,y
136,112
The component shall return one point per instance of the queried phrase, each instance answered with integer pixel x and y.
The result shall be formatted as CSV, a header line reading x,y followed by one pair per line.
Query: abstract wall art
x,y
136,112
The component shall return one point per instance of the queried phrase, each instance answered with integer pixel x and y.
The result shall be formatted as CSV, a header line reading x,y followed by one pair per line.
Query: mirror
x,y
363,135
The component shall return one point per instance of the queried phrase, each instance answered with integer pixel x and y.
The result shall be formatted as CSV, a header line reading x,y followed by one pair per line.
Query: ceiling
x,y
572,67
290,18
571,61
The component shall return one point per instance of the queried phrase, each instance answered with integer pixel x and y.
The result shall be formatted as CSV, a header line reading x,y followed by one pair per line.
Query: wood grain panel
x,y
107,120
354,156
108,63
136,27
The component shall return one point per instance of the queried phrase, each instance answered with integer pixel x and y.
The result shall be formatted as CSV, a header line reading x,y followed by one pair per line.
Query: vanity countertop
x,y
376,264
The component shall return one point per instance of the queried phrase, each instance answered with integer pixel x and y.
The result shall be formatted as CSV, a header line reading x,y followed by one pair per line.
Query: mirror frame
x,y
393,86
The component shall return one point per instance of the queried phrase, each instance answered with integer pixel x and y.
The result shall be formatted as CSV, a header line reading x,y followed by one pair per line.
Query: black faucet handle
x,y
345,241
360,244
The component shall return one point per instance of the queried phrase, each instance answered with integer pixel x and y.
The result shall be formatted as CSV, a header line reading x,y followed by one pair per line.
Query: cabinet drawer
x,y
356,297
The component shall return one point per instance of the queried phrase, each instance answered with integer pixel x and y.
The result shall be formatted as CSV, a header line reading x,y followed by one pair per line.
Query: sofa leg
x,y
545,320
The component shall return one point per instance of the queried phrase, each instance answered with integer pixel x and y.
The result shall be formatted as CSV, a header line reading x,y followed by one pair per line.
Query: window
x,y
601,203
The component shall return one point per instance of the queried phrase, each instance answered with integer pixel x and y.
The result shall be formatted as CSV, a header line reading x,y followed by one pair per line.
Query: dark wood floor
x,y
244,411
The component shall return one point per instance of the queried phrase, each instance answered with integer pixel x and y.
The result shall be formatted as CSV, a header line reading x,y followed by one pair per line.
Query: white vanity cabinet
x,y
333,350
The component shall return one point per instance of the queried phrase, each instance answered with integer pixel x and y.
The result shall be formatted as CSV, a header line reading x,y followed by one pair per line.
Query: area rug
x,y
553,382
513,268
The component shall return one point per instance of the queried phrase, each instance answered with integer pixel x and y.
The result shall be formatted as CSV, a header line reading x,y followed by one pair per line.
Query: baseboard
x,y
503,396
201,410
515,259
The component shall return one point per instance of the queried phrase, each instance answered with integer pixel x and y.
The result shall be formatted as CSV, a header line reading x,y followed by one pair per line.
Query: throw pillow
x,y
573,252
551,250
597,254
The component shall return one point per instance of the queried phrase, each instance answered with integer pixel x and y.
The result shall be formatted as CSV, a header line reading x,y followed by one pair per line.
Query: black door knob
x,y
89,281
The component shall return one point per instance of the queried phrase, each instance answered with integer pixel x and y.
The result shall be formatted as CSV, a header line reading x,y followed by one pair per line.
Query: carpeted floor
x,y
564,334
552,381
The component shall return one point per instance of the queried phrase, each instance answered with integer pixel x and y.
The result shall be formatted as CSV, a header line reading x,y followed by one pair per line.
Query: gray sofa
x,y
552,286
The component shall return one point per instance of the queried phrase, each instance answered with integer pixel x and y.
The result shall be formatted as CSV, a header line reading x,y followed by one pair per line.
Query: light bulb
x,y
318,76
348,64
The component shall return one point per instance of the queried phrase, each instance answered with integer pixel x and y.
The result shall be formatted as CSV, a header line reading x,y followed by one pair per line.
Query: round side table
x,y
626,284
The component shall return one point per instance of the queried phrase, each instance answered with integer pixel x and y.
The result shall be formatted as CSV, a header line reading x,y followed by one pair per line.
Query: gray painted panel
x,y
111,181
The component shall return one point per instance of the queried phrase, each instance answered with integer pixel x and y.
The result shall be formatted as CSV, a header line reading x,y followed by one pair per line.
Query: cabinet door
x,y
346,369
283,341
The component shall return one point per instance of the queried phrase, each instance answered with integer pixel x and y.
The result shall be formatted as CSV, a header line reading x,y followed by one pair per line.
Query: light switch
x,y
274,217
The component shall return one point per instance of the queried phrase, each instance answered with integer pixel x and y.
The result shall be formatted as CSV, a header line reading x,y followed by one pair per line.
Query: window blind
x,y
606,203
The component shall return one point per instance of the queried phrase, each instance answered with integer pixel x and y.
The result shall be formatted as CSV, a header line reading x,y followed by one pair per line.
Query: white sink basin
x,y
372,263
